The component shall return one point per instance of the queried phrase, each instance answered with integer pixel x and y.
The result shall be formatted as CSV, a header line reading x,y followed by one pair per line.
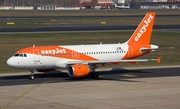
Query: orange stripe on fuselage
x,y
57,51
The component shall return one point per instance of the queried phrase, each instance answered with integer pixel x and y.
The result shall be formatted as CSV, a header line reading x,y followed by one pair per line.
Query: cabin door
x,y
130,52
75,54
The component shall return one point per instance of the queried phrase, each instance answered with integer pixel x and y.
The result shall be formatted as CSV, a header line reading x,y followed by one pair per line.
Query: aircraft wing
x,y
114,61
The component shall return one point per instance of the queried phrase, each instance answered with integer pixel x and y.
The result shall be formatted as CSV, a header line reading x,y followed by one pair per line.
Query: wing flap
x,y
118,61
114,61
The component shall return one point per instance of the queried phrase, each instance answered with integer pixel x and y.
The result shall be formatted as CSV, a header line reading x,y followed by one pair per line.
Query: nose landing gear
x,y
31,77
32,74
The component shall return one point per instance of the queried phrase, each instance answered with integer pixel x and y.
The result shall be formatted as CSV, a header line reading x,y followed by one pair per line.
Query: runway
x,y
115,74
67,27
117,88
78,28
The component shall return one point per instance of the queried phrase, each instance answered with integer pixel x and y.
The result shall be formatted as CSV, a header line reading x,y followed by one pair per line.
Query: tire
x,y
31,77
94,75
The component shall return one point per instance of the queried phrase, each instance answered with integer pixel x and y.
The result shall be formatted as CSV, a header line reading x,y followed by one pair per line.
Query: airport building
x,y
87,4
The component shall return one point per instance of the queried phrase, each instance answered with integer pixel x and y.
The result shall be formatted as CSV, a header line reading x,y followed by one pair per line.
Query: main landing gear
x,y
32,74
93,74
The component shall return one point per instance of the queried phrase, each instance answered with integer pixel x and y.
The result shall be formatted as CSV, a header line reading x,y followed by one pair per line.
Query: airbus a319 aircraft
x,y
82,60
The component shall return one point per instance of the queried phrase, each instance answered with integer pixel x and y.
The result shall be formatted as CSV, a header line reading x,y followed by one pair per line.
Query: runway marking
x,y
23,94
129,75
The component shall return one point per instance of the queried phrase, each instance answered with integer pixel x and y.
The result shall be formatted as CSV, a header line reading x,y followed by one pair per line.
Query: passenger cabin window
x,y
25,55
21,55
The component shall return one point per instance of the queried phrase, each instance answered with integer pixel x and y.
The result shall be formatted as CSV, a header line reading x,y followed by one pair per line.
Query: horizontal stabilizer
x,y
148,49
157,59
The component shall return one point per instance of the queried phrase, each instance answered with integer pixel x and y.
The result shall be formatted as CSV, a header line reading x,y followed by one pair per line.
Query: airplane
x,y
82,60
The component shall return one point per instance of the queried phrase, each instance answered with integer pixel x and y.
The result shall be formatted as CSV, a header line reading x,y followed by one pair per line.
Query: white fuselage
x,y
100,52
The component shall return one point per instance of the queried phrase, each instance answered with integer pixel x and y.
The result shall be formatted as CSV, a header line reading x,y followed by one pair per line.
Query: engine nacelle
x,y
77,71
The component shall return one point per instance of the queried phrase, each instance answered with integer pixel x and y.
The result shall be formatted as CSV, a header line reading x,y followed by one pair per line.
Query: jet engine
x,y
77,71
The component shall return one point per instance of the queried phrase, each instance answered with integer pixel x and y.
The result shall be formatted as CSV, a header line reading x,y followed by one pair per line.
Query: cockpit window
x,y
16,55
20,55
25,55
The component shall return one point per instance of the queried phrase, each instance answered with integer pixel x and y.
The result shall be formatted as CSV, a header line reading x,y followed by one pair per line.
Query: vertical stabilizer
x,y
142,34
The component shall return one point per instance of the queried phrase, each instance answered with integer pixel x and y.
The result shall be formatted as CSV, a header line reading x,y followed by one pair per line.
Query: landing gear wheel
x,y
94,75
31,77
32,74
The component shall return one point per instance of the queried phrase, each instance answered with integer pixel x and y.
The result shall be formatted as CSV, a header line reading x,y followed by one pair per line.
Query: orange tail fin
x,y
142,34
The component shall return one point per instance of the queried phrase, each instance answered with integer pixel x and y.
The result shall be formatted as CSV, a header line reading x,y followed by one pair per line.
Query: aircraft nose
x,y
10,62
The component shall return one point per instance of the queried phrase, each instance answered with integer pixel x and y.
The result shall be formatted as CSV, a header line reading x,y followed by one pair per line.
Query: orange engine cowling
x,y
77,71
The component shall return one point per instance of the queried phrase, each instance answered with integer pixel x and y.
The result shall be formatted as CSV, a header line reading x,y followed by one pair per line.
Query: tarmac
x,y
143,88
